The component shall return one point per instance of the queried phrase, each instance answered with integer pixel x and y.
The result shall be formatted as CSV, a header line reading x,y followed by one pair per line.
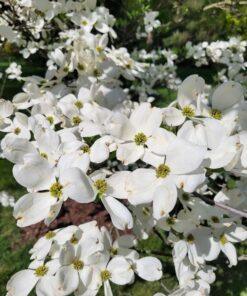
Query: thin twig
x,y
3,84
242,258
224,4
222,206
151,252
165,288
220,5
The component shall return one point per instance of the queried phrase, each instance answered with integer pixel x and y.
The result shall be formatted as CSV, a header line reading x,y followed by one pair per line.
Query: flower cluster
x,y
150,23
230,54
77,134
14,71
167,163
160,70
81,259
6,200
78,54
33,25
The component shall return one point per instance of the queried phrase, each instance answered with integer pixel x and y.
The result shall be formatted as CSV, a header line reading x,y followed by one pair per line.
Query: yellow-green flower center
x,y
78,104
44,155
216,114
50,234
190,238
81,67
85,149
113,251
101,186
129,65
17,131
215,219
76,120
78,264
74,240
170,220
99,49
84,23
96,72
140,139
223,239
56,190
105,275
41,271
188,111
162,171
66,69
50,119
185,196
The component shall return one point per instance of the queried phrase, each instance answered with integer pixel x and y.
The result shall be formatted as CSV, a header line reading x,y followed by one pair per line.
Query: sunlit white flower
x,y
71,183
14,71
150,21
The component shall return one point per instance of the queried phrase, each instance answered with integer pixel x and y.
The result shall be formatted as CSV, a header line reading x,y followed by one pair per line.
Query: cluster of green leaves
x,y
236,21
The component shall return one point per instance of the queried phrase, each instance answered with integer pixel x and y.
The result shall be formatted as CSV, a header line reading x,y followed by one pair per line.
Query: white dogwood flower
x,y
71,183
150,21
39,274
136,133
107,190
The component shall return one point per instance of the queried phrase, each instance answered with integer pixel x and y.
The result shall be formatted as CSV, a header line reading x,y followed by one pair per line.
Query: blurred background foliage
x,y
182,20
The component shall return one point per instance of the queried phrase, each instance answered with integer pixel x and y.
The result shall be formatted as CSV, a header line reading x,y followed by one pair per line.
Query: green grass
x,y
14,252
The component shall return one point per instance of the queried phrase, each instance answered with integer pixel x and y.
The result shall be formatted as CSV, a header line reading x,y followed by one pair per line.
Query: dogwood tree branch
x,y
4,80
222,206
242,258
225,5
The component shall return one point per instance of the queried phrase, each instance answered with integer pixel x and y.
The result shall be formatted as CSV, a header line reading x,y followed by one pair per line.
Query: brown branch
x,y
220,5
221,206
227,4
